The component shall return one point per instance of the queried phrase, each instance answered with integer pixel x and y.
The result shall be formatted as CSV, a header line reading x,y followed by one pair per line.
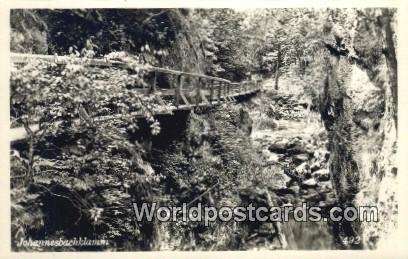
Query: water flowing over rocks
x,y
295,151
294,154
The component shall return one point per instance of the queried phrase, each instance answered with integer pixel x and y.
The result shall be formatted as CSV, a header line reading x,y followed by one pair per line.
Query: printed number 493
x,y
351,240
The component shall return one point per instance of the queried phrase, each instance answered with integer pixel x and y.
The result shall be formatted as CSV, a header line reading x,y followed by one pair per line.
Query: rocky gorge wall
x,y
268,151
358,104
206,156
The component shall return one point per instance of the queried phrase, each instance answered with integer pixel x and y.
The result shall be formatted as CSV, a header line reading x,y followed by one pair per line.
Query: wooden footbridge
x,y
189,91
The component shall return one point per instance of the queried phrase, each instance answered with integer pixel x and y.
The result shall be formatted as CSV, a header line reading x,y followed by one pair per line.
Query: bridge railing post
x,y
211,90
222,89
153,87
227,90
203,90
219,92
177,94
198,92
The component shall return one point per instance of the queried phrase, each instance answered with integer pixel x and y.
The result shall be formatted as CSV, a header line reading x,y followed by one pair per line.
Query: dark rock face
x,y
322,174
358,107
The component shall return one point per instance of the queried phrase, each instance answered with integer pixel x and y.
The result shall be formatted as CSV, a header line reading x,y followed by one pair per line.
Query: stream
x,y
293,150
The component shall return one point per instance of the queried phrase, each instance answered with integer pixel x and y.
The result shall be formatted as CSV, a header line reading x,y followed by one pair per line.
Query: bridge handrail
x,y
102,62
225,90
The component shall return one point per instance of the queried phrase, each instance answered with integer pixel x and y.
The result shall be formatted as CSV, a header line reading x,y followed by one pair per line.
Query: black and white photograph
x,y
202,129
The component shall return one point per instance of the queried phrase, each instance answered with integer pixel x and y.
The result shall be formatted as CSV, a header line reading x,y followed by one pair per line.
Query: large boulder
x,y
309,183
279,180
322,174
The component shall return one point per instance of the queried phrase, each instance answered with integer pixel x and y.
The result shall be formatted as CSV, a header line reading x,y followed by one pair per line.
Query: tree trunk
x,y
277,70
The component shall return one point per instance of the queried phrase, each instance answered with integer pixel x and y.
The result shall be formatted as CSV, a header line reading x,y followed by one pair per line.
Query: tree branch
x,y
145,21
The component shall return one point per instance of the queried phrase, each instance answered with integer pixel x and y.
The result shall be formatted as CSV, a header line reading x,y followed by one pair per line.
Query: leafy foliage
x,y
88,164
93,169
